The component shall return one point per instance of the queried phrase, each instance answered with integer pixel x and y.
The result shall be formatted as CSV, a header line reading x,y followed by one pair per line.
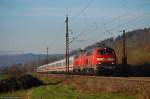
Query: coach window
x,y
55,64
70,62
64,63
58,64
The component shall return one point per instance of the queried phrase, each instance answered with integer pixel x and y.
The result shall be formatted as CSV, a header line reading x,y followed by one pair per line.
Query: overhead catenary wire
x,y
85,21
119,17
82,10
132,21
82,13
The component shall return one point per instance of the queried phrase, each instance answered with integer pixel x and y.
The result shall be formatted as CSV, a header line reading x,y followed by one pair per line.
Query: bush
x,y
17,83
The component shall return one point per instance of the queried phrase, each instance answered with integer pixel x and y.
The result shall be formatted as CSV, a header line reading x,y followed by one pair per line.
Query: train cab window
x,y
105,51
110,51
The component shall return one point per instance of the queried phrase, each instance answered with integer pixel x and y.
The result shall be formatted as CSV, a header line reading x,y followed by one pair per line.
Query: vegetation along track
x,y
137,79
124,85
138,86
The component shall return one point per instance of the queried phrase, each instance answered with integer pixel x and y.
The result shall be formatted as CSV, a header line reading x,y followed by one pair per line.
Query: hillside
x,y
138,46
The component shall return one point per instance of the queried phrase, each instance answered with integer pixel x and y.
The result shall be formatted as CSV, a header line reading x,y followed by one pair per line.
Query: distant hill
x,y
9,59
138,46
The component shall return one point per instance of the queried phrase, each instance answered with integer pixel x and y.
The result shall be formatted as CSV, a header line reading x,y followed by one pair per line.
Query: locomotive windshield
x,y
106,51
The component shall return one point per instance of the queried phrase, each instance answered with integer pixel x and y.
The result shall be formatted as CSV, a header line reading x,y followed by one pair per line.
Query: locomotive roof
x,y
98,47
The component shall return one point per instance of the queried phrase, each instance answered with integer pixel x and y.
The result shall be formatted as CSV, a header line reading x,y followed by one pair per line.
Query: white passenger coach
x,y
59,65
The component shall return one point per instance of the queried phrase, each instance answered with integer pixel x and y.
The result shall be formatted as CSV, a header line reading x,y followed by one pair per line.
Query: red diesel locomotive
x,y
94,60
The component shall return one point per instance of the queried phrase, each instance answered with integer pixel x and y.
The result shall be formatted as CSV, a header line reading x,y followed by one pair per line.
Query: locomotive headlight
x,y
100,59
99,63
110,59
112,63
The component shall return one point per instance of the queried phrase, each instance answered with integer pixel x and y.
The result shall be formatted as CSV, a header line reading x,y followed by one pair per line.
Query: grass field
x,y
54,89
58,92
66,92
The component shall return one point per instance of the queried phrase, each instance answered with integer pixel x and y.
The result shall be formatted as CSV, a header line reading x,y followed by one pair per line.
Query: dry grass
x,y
110,85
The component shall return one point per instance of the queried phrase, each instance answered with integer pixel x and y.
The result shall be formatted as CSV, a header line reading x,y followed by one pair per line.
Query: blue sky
x,y
32,25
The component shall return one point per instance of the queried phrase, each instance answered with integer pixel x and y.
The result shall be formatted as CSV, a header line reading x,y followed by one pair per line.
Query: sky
x,y
29,26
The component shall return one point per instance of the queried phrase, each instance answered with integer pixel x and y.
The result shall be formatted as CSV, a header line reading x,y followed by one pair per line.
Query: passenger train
x,y
94,60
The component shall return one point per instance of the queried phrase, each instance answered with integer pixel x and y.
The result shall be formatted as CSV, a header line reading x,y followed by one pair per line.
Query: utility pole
x,y
67,45
124,52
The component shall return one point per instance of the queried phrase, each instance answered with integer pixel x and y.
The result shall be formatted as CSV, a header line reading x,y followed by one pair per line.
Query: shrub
x,y
17,83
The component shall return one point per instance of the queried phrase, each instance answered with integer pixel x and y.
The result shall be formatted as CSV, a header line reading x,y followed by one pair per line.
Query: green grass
x,y
66,92
62,91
